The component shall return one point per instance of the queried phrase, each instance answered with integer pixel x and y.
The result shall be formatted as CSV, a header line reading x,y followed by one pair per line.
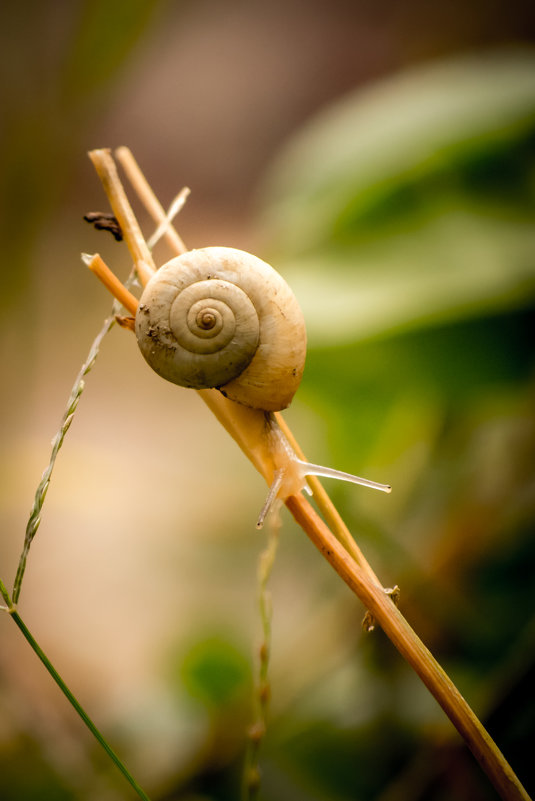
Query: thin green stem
x,y
68,415
5,596
251,771
40,494
12,610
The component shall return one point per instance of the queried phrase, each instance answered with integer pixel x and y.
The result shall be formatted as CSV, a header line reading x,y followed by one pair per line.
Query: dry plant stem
x,y
177,204
111,282
251,773
144,191
413,650
351,565
107,172
328,509
31,530
12,610
68,415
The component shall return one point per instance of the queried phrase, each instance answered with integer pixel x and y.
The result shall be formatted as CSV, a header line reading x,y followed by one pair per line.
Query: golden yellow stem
x,y
352,567
107,172
412,648
328,509
144,191
98,266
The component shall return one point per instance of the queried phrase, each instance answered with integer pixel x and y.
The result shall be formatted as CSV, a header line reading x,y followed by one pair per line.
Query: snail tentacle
x,y
290,472
328,472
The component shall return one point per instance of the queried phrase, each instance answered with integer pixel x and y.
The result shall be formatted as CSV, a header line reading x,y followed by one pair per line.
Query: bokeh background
x,y
381,156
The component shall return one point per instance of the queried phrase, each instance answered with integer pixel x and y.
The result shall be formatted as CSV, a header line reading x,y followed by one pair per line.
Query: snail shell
x,y
220,317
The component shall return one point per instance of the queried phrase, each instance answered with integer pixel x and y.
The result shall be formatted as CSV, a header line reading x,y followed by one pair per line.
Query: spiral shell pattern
x,y
219,317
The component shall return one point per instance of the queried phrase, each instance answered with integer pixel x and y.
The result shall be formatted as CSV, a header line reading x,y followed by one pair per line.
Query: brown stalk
x,y
328,509
344,555
413,650
107,172
99,268
144,191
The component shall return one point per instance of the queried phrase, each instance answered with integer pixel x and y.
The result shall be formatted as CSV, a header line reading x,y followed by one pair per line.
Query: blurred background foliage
x,y
383,159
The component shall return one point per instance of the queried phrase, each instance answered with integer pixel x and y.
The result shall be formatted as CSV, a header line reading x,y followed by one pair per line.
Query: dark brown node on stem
x,y
126,322
105,222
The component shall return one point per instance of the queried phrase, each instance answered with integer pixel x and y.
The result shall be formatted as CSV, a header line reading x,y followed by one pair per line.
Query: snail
x,y
222,318
223,322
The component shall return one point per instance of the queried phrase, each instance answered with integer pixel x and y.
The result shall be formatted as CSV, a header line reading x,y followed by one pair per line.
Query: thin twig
x,y
328,509
413,650
34,520
97,266
11,608
40,494
177,204
257,731
144,191
107,172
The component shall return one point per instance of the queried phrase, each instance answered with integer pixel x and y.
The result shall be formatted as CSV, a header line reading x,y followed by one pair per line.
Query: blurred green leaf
x,y
325,756
411,203
378,399
215,672
403,217
455,267
391,138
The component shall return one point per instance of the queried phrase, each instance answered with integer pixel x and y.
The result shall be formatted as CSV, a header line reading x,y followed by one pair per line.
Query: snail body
x,y
220,321
221,318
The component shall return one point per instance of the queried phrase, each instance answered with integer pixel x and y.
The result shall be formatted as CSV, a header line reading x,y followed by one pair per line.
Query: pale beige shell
x,y
220,317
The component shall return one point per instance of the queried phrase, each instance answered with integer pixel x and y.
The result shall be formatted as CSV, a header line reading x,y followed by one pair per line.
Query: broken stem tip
x,y
97,265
